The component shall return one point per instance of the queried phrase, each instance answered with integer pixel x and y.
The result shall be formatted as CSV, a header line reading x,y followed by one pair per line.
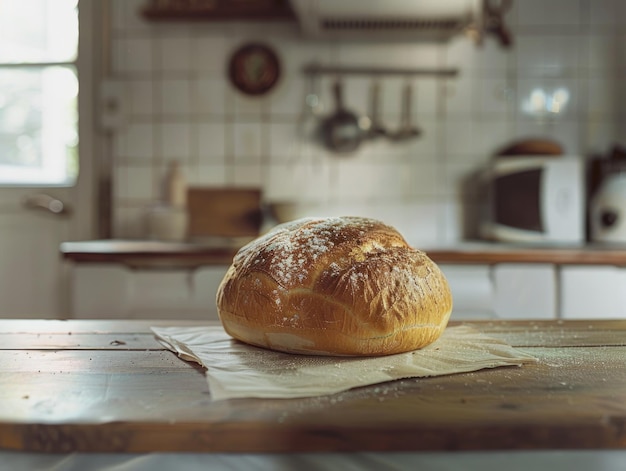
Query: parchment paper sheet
x,y
237,370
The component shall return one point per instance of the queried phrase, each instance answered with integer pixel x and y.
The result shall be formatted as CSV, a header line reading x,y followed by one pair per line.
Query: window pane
x,y
38,125
38,31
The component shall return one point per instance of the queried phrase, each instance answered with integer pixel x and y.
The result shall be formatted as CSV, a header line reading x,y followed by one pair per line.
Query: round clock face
x,y
254,69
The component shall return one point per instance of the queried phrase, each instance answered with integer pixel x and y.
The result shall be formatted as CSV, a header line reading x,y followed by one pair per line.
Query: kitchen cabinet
x,y
537,291
525,291
117,291
503,290
113,291
593,291
473,290
480,291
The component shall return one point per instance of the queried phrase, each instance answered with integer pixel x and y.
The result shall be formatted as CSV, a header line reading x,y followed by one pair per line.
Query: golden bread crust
x,y
334,286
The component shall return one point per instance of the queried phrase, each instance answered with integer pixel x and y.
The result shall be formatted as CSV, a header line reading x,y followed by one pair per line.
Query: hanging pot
x,y
341,131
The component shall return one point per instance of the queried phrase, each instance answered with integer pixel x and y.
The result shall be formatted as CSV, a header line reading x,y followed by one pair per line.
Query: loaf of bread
x,y
334,286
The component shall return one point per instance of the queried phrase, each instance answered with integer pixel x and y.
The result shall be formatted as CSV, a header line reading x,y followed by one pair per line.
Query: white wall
x,y
180,106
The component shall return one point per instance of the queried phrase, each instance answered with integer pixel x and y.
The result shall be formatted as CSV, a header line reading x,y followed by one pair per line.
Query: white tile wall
x,y
180,106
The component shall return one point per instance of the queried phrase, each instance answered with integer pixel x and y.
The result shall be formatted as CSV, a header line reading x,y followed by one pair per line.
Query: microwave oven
x,y
534,199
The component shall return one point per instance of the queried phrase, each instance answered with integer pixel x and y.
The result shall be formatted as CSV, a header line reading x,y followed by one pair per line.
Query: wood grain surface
x,y
109,386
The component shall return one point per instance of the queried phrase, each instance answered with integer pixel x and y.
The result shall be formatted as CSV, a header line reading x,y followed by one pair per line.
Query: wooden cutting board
x,y
224,212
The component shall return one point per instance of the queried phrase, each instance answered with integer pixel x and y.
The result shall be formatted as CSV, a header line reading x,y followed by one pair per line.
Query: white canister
x,y
167,223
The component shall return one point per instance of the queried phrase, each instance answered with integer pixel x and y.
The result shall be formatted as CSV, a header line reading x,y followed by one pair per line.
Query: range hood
x,y
386,20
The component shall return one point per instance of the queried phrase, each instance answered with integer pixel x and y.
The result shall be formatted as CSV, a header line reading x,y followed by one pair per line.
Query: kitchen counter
x,y
146,254
149,253
492,253
109,386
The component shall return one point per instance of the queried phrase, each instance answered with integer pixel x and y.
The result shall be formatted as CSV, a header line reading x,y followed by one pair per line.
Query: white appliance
x,y
380,20
535,199
607,218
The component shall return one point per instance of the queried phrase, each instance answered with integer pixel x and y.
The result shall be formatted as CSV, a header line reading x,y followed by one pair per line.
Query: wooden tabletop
x,y
109,386
146,254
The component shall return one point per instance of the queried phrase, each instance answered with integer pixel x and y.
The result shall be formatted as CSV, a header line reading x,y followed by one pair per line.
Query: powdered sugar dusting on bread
x,y
286,252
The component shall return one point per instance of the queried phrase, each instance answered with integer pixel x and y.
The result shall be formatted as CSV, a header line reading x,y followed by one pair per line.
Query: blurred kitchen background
x,y
155,93
179,105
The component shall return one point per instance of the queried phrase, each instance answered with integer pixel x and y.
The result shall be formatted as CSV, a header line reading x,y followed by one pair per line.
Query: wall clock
x,y
254,69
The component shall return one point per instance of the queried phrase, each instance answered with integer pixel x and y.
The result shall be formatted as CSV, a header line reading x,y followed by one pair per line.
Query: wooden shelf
x,y
218,10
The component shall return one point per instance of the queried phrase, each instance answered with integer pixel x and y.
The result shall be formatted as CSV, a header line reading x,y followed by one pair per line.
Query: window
x,y
38,92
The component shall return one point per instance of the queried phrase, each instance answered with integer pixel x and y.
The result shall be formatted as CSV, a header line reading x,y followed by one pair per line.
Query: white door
x,y
43,199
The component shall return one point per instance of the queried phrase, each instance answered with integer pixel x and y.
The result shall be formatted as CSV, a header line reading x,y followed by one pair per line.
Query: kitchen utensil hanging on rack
x,y
341,130
311,112
376,129
406,130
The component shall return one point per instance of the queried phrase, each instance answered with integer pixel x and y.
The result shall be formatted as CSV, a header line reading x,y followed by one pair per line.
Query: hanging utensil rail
x,y
317,69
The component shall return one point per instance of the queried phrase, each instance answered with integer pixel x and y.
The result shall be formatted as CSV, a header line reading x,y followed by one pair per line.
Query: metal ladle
x,y
406,130
376,127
